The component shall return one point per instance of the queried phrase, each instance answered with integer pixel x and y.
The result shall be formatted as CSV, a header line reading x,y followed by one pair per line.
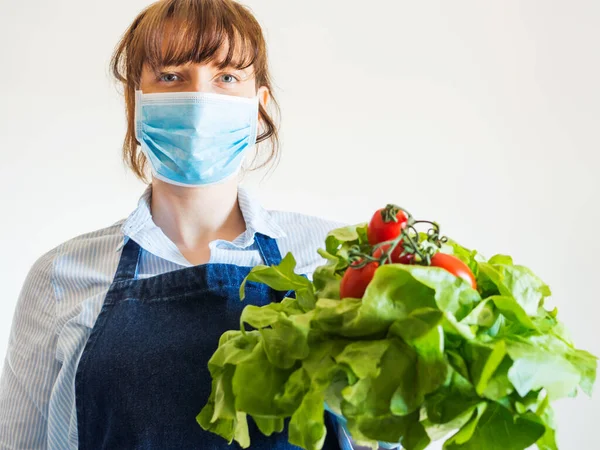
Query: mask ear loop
x,y
137,114
138,125
255,113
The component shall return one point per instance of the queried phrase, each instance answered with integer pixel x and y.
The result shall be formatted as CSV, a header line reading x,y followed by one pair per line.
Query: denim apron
x,y
143,375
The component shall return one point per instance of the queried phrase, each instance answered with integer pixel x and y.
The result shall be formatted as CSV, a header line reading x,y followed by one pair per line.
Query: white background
x,y
481,115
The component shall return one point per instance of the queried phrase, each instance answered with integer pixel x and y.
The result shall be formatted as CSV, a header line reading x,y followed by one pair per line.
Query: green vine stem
x,y
390,213
408,238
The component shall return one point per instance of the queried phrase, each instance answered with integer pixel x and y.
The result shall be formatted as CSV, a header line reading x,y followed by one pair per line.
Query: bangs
x,y
180,32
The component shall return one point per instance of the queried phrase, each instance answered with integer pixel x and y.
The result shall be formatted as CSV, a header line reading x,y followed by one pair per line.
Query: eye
x,y
162,77
232,78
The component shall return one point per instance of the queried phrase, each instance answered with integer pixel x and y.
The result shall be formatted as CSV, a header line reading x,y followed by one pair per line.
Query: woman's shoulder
x,y
95,239
78,255
296,222
304,235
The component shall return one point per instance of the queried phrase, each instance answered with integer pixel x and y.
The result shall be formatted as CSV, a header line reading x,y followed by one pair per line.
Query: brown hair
x,y
203,26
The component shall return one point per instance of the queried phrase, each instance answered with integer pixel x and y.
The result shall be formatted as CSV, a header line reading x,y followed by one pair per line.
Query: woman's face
x,y
203,78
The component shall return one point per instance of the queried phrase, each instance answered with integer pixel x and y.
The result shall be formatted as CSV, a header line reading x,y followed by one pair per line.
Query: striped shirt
x,y
63,294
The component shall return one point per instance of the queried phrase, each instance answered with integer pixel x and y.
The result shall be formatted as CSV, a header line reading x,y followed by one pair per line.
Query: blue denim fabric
x,y
143,375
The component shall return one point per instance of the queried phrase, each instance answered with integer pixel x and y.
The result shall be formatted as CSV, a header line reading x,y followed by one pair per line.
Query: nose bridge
x,y
201,78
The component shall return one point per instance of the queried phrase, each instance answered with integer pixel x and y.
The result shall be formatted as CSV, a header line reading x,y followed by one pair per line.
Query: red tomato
x,y
396,258
455,266
355,280
380,230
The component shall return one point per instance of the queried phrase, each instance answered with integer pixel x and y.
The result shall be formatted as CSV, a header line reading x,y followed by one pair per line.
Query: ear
x,y
263,96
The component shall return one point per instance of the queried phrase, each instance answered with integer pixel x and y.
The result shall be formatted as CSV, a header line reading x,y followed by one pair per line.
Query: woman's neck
x,y
192,217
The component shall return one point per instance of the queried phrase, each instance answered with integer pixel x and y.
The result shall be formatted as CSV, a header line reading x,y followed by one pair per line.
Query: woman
x,y
113,329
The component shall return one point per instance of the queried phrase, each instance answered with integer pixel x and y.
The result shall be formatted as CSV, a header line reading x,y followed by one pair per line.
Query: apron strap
x,y
268,249
127,269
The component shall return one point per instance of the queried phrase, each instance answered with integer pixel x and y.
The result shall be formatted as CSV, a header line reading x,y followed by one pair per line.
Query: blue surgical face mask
x,y
195,138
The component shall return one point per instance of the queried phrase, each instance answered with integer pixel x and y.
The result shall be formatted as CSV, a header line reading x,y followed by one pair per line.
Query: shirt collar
x,y
140,226
140,216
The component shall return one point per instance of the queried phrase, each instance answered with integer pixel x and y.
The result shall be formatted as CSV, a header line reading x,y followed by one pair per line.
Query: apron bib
x,y
143,376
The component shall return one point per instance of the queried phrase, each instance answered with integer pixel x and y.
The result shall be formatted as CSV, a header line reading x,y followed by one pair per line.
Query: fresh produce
x,y
397,255
455,266
356,279
386,224
401,353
